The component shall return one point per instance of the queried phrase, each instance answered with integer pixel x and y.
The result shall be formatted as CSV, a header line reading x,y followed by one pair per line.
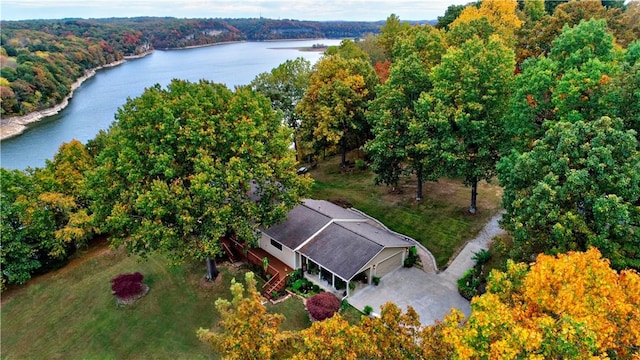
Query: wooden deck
x,y
278,270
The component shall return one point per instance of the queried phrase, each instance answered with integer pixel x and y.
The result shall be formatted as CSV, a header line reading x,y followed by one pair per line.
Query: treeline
x,y
40,59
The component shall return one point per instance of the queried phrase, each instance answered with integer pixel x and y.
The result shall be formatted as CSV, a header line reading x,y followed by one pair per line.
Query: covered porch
x,y
333,282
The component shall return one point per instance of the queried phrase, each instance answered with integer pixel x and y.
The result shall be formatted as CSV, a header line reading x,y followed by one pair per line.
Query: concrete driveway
x,y
431,295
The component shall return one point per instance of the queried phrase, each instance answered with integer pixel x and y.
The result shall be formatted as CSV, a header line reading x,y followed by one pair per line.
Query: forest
x,y
542,97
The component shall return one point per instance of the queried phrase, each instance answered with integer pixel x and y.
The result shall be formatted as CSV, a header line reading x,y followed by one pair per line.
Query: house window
x,y
276,244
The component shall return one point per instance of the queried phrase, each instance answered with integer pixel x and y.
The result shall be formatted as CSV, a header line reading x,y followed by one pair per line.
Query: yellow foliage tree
x,y
249,332
570,306
501,15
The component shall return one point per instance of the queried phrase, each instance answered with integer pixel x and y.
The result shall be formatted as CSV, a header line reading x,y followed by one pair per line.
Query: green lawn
x,y
71,314
440,221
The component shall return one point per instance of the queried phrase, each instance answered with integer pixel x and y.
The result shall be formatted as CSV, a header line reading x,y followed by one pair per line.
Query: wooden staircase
x,y
276,283
229,252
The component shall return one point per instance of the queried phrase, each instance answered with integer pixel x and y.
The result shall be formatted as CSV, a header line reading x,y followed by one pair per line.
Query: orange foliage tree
x,y
570,306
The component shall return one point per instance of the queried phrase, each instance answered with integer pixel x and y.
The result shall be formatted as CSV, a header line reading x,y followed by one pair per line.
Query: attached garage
x,y
389,264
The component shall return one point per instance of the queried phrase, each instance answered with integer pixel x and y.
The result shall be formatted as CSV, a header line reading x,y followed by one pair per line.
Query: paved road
x,y
431,295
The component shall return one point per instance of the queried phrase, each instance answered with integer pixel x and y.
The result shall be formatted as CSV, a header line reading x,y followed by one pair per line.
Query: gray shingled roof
x,y
342,251
302,222
376,234
332,210
344,247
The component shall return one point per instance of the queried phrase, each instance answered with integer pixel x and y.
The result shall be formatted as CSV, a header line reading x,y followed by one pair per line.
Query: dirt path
x,y
98,247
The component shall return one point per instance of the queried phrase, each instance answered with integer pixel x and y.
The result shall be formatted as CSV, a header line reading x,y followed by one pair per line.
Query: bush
x,y
126,289
323,306
294,276
126,286
361,165
481,257
301,286
376,280
368,310
134,277
468,284
412,257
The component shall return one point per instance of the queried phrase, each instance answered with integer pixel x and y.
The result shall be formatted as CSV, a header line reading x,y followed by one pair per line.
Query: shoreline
x,y
16,125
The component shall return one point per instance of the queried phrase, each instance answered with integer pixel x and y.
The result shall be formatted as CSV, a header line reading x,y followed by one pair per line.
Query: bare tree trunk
x,y
474,196
343,147
419,188
212,269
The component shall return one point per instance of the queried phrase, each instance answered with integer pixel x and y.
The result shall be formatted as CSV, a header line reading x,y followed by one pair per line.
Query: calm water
x,y
94,104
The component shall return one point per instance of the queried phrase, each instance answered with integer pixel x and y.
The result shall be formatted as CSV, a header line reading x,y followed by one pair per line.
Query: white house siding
x,y
285,255
388,260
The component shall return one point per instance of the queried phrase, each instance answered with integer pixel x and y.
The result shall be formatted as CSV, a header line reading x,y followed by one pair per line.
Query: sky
x,y
316,10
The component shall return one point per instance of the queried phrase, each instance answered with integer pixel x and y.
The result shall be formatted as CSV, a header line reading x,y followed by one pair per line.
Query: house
x,y
338,248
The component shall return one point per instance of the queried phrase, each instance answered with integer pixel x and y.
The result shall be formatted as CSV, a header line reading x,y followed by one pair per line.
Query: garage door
x,y
386,266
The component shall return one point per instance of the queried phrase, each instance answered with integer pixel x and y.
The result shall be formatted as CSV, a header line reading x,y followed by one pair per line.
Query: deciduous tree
x,y
333,108
576,81
570,306
390,32
463,111
285,86
396,130
501,15
18,251
247,330
579,186
186,165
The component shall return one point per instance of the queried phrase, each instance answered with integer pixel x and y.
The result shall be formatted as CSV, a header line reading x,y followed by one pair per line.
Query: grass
x,y
440,221
71,314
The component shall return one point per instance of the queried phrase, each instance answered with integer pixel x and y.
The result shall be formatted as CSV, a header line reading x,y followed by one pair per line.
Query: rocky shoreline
x,y
16,125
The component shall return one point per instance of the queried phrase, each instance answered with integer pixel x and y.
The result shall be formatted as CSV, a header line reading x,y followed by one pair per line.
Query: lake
x,y
94,104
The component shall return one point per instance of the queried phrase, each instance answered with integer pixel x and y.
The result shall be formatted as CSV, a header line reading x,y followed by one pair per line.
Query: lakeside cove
x,y
16,125
34,138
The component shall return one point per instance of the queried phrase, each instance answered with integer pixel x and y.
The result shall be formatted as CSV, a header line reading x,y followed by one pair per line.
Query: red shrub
x,y
323,306
126,289
134,277
127,285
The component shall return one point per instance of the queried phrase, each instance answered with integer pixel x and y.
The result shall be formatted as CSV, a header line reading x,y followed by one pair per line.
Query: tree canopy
x,y
569,306
333,108
285,86
186,165
463,112
579,186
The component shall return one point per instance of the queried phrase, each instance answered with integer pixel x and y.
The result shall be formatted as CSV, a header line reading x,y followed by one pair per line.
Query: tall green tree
x,y
463,111
395,128
334,106
285,86
580,79
579,186
186,165
18,253
390,32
